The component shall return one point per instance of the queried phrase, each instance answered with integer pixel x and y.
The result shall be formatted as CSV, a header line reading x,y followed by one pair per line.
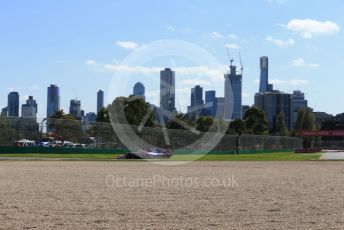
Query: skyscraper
x,y
75,109
53,101
298,101
100,100
197,104
264,76
210,102
139,90
13,104
274,103
233,95
4,112
220,107
197,96
29,110
167,90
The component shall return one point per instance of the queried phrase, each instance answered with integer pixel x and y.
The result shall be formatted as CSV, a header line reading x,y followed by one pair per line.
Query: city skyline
x,y
301,57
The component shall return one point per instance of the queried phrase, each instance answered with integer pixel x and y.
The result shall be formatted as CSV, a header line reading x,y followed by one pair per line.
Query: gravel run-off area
x,y
197,195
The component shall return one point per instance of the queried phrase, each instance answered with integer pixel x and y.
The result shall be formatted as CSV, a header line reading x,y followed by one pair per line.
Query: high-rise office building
x,y
75,109
29,109
167,90
264,85
274,103
100,100
4,112
197,96
233,95
53,100
139,90
298,101
13,104
196,108
91,117
220,107
210,103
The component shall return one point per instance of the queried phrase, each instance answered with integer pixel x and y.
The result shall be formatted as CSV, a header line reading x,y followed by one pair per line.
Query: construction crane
x,y
241,66
229,57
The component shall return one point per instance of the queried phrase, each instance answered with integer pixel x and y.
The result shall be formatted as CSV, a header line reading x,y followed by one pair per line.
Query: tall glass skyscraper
x,y
4,112
13,104
298,101
100,100
75,109
197,96
29,110
233,95
53,100
139,90
210,98
264,75
274,103
167,90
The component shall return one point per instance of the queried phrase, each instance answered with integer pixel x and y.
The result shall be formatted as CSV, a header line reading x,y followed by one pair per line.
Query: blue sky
x,y
78,44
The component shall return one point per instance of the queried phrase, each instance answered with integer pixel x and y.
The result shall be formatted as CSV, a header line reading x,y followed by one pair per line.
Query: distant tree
x,y
256,122
59,114
65,126
238,126
180,117
219,125
282,129
204,123
103,115
306,121
131,110
6,132
333,123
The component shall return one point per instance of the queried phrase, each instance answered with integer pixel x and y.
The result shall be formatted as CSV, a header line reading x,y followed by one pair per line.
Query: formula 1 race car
x,y
154,153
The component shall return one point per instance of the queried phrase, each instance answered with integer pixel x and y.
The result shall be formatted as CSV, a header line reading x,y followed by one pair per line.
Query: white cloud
x,y
13,89
281,43
193,82
127,44
298,62
246,95
307,28
215,74
233,36
314,65
185,29
152,93
185,90
216,35
256,80
301,62
170,28
23,99
91,62
277,1
232,46
294,82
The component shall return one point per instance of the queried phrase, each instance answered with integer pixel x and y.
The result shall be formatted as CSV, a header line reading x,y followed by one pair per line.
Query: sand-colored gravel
x,y
82,195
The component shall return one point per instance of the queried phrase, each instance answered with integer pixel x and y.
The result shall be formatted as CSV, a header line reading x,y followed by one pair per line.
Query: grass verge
x,y
278,156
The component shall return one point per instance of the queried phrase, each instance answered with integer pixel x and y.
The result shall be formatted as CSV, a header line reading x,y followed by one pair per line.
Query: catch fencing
x,y
74,133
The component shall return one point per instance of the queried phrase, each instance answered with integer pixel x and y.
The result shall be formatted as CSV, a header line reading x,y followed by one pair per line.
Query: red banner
x,y
320,133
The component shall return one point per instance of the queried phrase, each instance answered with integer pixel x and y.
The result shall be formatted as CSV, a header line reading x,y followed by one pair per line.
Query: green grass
x,y
62,155
283,156
278,156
